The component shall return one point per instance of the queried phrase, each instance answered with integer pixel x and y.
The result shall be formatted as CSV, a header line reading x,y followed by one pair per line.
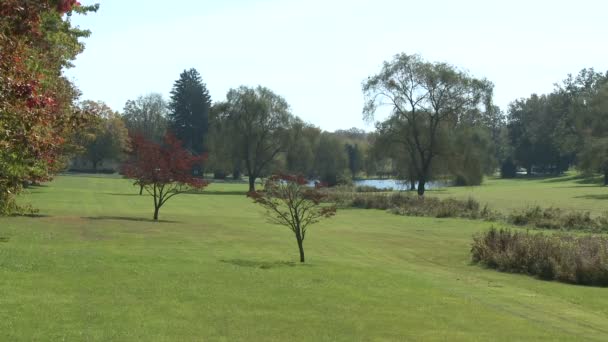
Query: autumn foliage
x,y
37,114
291,202
163,170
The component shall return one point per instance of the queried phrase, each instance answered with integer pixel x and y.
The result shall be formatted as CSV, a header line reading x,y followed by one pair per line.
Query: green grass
x,y
92,267
568,192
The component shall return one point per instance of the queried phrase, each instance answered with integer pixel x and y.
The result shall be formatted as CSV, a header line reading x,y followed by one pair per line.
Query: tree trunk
x,y
412,184
421,184
252,183
301,247
606,177
529,170
156,209
95,166
141,189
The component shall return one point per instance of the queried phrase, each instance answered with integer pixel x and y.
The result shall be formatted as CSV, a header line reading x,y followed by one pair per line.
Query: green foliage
x,y
331,160
106,138
147,116
257,122
563,257
508,169
189,110
427,100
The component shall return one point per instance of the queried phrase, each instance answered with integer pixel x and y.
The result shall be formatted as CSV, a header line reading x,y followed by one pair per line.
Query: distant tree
x,y
163,170
301,148
189,110
430,98
106,137
290,202
594,129
259,128
147,116
331,160
355,159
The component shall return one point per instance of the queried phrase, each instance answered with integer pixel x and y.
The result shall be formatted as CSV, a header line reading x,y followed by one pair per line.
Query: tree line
x,y
443,125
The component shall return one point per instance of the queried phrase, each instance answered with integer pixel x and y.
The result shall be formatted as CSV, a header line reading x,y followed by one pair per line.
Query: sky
x,y
316,53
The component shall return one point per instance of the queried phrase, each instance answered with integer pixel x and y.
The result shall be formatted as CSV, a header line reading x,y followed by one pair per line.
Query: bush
x,y
563,257
369,188
555,218
402,203
508,169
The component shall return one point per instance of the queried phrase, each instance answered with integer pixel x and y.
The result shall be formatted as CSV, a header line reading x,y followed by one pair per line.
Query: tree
x,y
147,116
259,122
189,110
430,97
290,202
594,128
106,137
37,116
355,158
300,154
331,160
163,170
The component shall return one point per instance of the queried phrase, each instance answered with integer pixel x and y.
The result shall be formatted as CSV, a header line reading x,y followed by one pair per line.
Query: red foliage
x,y
164,170
162,163
36,111
64,6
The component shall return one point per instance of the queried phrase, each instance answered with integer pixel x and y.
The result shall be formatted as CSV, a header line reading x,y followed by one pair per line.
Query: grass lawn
x,y
567,192
94,268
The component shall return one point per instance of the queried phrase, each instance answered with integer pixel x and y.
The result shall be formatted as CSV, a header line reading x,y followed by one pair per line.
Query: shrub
x,y
563,257
369,188
508,169
555,218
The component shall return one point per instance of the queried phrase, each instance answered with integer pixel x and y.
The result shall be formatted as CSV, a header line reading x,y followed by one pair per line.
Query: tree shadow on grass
x,y
594,197
124,218
205,192
264,265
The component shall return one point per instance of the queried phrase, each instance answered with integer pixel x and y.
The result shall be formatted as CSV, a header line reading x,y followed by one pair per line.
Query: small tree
x,y
163,170
290,202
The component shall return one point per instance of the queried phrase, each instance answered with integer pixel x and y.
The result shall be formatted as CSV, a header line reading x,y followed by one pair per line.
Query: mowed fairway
x,y
567,192
94,268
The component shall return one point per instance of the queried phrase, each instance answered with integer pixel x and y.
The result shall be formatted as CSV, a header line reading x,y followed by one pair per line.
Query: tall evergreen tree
x,y
189,110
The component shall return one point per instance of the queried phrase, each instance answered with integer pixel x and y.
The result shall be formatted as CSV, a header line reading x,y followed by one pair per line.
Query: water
x,y
395,184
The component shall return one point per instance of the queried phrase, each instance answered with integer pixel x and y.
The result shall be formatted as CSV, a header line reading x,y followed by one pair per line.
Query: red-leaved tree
x,y
291,202
37,115
163,170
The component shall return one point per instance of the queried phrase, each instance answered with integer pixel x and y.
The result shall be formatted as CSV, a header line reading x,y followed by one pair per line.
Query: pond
x,y
396,184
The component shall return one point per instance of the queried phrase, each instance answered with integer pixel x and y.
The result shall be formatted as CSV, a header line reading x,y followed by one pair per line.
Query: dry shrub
x,y
563,257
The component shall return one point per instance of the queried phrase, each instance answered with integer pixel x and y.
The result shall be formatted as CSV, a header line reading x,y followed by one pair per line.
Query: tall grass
x,y
563,257
402,203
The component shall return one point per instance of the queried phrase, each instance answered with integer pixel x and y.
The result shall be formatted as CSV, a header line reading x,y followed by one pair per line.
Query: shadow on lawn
x,y
594,197
124,218
205,192
262,264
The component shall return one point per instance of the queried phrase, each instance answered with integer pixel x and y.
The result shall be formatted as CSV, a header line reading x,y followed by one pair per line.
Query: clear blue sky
x,y
316,53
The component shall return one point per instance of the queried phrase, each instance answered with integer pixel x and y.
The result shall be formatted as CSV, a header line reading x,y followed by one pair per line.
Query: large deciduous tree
x,y
290,202
430,97
37,42
259,121
189,110
106,137
147,116
164,170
